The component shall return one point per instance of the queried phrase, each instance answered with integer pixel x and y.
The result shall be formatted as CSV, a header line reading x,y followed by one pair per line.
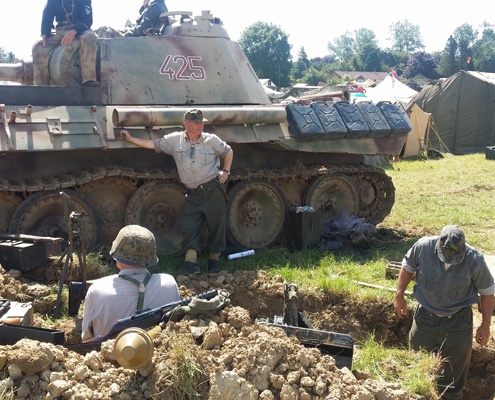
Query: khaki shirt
x,y
197,163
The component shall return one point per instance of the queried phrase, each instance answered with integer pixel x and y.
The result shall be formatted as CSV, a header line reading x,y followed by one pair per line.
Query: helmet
x,y
135,245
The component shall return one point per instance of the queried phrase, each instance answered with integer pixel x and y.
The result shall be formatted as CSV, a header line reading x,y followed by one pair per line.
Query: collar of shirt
x,y
134,271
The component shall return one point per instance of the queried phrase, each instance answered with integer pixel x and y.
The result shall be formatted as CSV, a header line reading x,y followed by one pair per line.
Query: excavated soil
x,y
238,357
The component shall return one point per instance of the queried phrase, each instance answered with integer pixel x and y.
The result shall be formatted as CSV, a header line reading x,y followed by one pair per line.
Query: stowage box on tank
x,y
66,138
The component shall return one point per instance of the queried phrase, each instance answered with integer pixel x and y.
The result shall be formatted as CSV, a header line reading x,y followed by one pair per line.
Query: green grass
x,y
415,370
429,194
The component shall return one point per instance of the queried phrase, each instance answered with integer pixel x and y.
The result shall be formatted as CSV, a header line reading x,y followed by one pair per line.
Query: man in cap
x,y
74,19
451,276
132,290
198,157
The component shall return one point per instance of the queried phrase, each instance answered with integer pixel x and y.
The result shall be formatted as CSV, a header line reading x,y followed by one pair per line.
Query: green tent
x,y
463,111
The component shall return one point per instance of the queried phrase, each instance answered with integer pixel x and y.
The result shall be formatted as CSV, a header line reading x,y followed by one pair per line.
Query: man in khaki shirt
x,y
198,156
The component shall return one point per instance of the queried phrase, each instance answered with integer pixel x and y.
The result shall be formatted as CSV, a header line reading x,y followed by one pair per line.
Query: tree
x,y
421,63
465,37
371,59
484,50
7,57
406,36
301,65
365,39
268,50
313,77
343,47
448,65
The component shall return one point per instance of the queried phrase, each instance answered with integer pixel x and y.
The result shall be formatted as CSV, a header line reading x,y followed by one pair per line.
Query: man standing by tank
x,y
74,19
149,21
197,155
132,290
451,276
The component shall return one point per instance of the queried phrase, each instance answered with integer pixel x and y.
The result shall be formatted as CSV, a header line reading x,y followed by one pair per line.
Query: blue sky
x,y
313,26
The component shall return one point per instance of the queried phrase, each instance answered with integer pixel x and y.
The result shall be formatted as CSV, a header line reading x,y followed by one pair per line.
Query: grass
x,y
429,194
415,370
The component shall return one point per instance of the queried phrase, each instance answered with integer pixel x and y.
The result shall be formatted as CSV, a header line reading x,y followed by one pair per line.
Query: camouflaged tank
x,y
66,138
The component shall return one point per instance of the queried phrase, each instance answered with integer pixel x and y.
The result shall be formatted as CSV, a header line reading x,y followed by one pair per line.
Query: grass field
x,y
429,194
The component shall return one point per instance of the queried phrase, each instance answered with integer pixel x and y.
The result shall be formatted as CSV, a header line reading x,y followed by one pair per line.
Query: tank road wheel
x,y
256,214
8,204
157,205
376,194
332,196
110,197
44,214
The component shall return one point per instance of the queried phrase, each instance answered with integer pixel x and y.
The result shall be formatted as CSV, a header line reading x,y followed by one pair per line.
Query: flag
x,y
394,74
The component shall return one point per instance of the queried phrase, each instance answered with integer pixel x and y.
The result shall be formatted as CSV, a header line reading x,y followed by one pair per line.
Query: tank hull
x,y
58,140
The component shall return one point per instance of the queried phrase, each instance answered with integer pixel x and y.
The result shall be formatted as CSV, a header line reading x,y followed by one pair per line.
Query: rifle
x,y
145,319
149,318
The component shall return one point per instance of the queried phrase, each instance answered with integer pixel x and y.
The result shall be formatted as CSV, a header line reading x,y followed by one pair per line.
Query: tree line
x,y
269,51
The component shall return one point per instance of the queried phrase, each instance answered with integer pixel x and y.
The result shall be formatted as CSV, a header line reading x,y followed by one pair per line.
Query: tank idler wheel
x,y
110,196
376,195
8,204
45,214
332,196
158,205
256,215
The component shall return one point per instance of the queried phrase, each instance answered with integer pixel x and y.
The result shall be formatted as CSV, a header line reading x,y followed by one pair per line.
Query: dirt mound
x,y
218,356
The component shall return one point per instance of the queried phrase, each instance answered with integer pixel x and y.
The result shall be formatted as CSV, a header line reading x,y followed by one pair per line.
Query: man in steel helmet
x,y
132,290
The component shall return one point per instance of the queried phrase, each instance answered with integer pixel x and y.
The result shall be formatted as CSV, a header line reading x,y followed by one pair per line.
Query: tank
x,y
63,141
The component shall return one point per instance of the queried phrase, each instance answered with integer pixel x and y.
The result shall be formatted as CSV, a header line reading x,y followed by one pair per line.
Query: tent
x,y
419,136
392,90
463,108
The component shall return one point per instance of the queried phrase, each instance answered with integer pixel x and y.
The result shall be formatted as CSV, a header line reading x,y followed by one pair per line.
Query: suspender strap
x,y
141,289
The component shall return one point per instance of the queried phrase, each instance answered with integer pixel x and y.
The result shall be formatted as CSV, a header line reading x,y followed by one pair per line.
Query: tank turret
x,y
66,137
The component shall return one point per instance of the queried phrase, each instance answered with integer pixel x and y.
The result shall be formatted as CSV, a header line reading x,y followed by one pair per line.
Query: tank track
x,y
374,212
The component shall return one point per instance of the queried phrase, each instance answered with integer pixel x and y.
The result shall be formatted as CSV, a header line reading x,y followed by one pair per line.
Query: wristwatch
x,y
226,170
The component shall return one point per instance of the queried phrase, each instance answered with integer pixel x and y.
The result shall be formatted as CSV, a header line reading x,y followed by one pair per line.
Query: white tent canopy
x,y
392,90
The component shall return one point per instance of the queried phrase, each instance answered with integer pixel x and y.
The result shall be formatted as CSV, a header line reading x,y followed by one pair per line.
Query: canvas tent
x,y
419,136
392,90
463,108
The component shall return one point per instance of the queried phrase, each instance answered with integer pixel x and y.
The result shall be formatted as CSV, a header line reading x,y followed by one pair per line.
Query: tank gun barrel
x,y
173,116
20,72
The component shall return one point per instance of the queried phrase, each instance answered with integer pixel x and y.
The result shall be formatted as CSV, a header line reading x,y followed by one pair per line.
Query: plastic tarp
x,y
392,90
463,108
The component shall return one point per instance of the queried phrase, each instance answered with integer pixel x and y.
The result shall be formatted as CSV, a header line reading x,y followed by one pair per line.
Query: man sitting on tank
x,y
149,22
74,19
130,291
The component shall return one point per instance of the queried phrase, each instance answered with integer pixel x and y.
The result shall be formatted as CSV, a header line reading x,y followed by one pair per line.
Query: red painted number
x,y
183,68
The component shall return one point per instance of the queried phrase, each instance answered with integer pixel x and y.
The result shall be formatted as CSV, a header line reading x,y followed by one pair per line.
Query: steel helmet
x,y
135,245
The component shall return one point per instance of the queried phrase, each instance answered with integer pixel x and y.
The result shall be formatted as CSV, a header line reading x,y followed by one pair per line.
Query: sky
x,y
312,27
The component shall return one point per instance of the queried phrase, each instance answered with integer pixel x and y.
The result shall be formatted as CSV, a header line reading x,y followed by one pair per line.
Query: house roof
x,y
362,75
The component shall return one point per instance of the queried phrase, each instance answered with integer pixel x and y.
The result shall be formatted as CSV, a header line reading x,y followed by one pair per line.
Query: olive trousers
x,y
205,205
450,337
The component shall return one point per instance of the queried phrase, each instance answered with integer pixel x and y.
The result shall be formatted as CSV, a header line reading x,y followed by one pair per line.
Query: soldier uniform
x,y
70,15
132,290
149,21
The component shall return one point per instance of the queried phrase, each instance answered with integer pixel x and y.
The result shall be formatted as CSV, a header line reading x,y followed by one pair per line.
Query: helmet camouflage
x,y
135,245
